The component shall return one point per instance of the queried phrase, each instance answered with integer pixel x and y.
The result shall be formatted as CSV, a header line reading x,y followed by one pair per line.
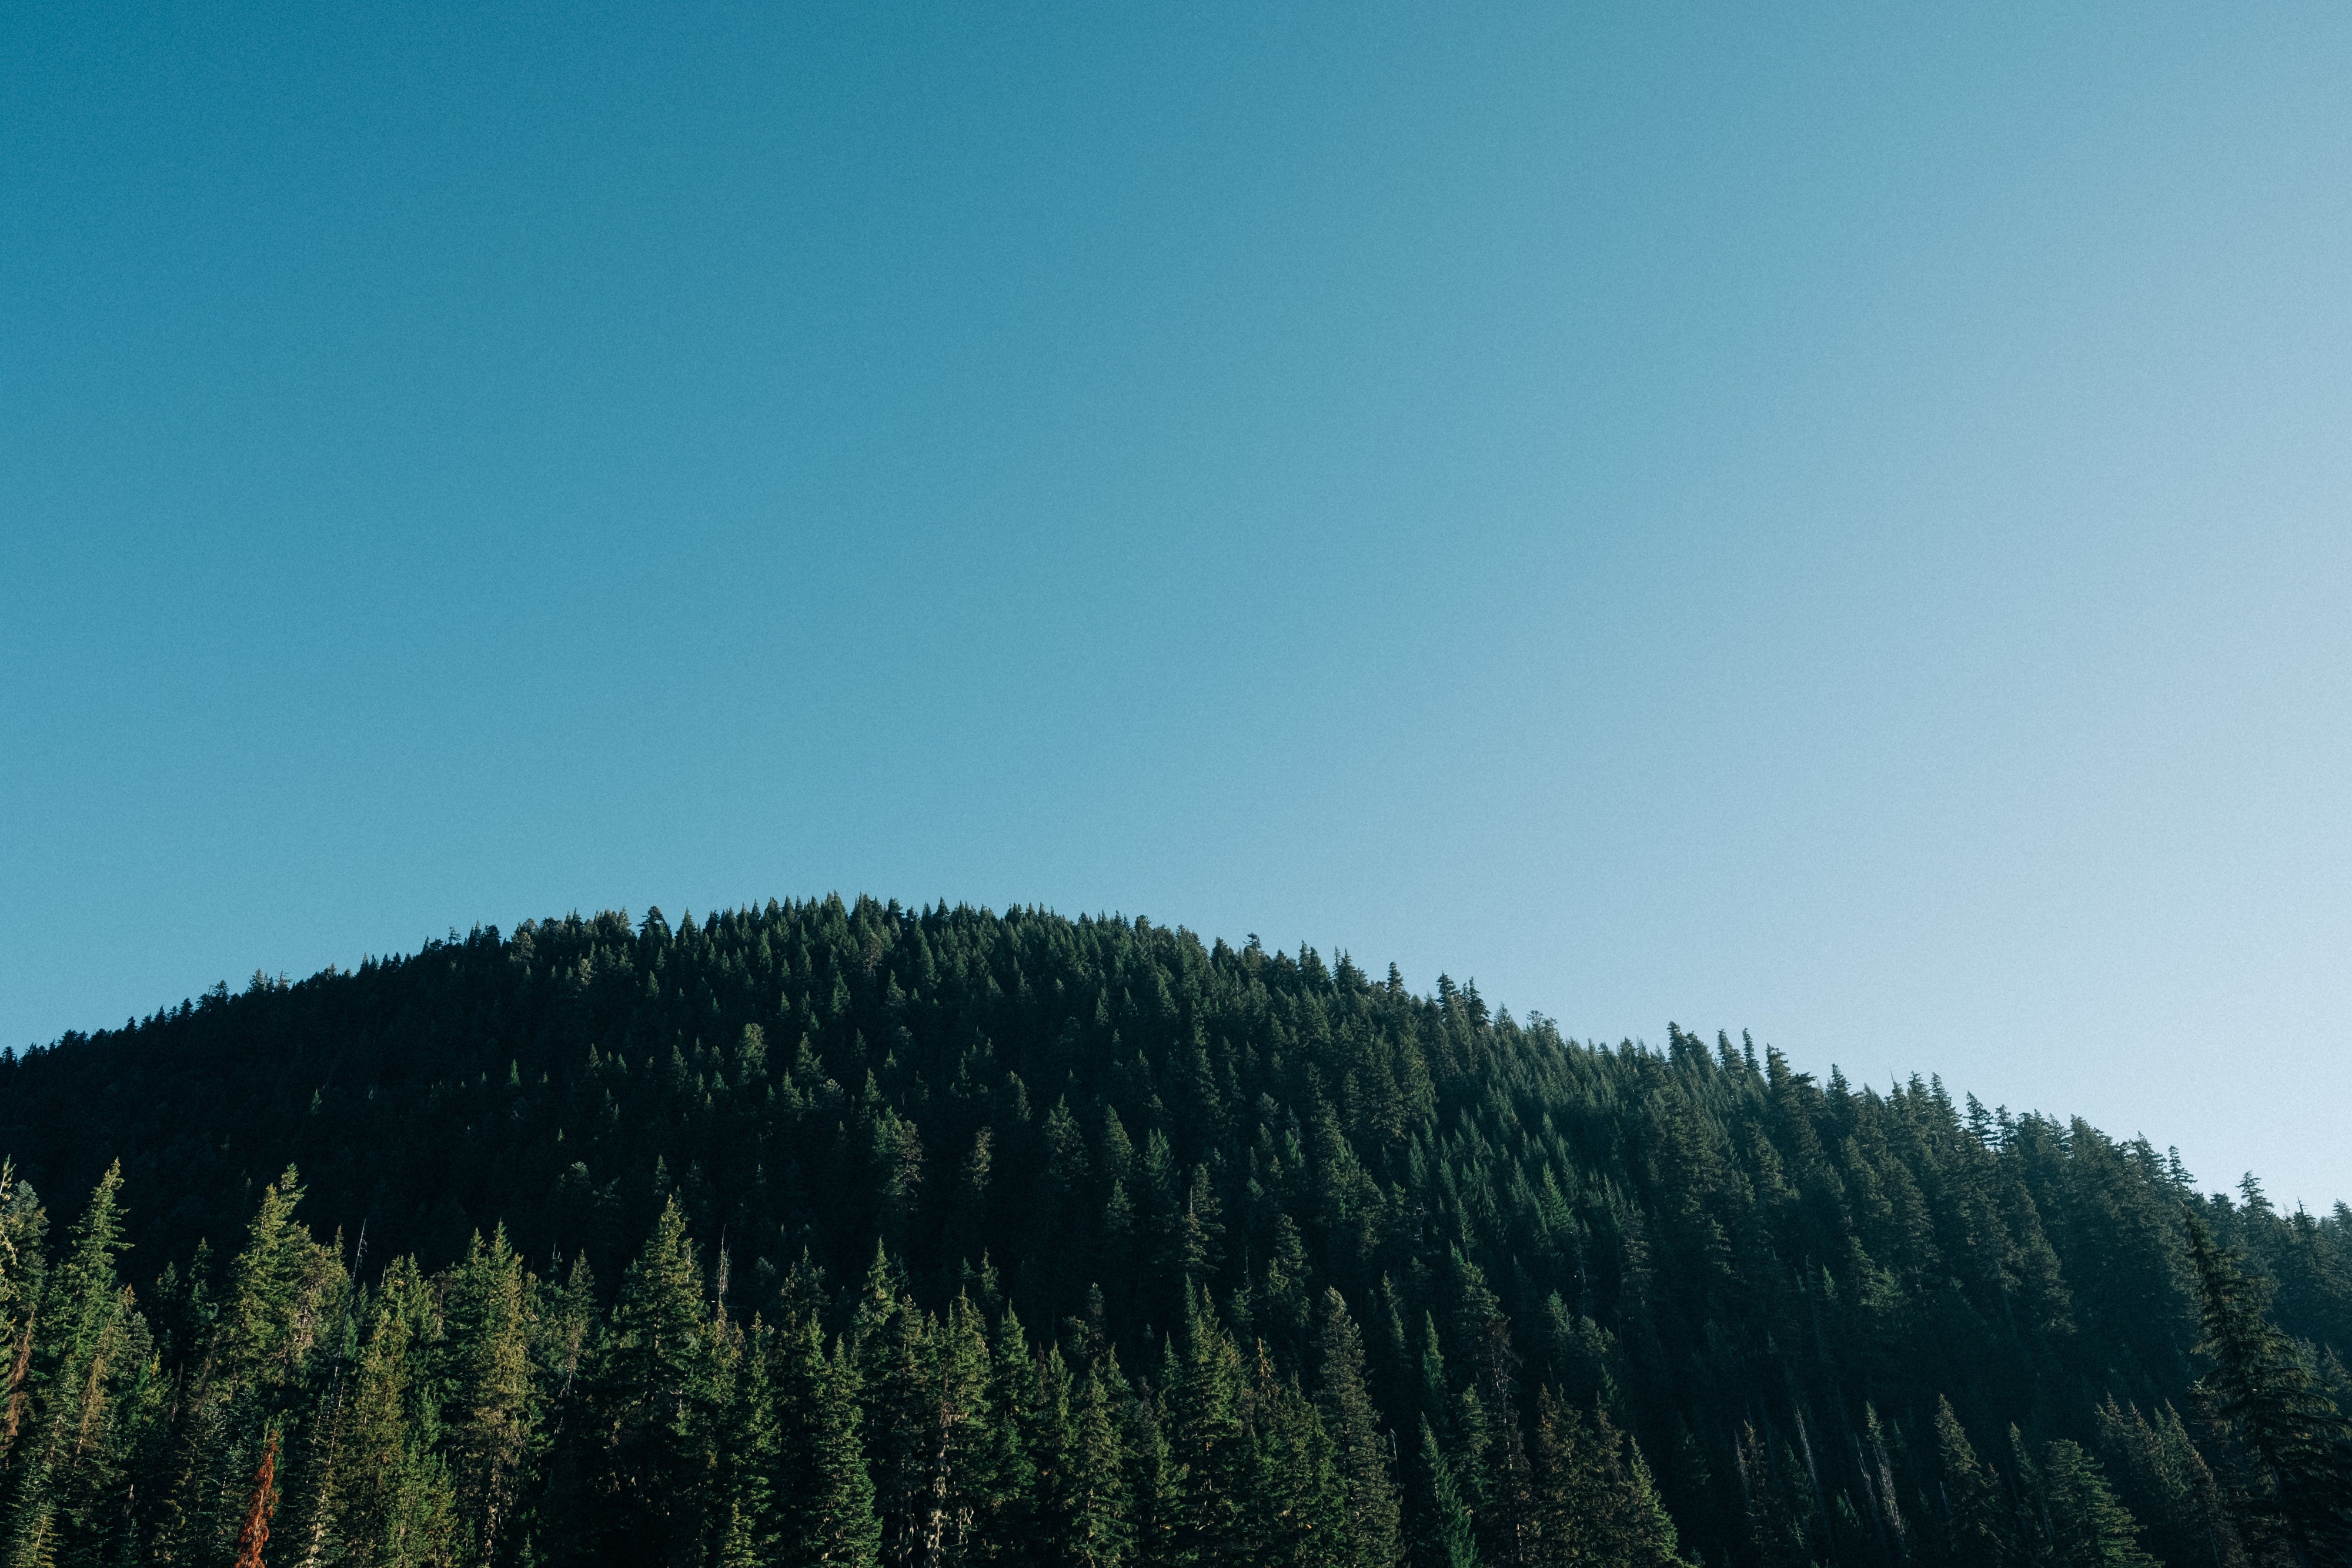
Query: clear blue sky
x,y
1829,521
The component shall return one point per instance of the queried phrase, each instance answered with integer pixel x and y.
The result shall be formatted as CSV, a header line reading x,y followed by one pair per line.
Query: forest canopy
x,y
851,1233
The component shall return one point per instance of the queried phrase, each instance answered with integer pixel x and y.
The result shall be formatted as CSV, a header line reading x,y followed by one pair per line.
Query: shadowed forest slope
x,y
856,1233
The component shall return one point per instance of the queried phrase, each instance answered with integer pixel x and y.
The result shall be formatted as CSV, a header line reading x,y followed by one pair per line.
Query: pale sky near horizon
x,y
1824,520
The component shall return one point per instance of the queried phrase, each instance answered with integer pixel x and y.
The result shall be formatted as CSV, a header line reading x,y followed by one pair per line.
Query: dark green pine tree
x,y
67,1481
2088,1528
1207,1438
1594,1500
1977,1524
395,1501
24,1226
2170,1487
1370,1524
1154,1483
962,1443
890,1345
1057,1480
1099,1530
566,1346
1080,1468
1503,1492
751,1451
1453,1531
492,1414
653,1408
2294,1490
1005,1500
23,1229
824,1496
249,1380
1284,1301
1297,1500
301,1531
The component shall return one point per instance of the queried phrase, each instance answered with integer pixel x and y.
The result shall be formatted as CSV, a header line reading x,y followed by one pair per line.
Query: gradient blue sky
x,y
1825,520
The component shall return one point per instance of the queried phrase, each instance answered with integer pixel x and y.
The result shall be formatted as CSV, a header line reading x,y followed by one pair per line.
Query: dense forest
x,y
853,1234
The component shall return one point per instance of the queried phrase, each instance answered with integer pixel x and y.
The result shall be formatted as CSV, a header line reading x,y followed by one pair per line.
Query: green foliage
x,y
1369,1524
1454,1530
492,1414
2169,1485
1979,1523
856,1235
1595,1500
2088,1528
395,1501
2289,1448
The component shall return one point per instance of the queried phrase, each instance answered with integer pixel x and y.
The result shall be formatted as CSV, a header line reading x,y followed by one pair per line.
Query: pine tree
x,y
824,1496
2297,1485
1098,1525
752,1447
491,1413
2088,1528
1053,1445
269,1317
653,1403
1594,1500
394,1499
22,1228
958,1438
1081,1468
282,1286
1005,1503
890,1340
2170,1487
1369,1522
1976,1519
316,1462
1297,1498
65,1470
1207,1440
1502,1487
1285,1298
557,1523
1154,1482
1455,1532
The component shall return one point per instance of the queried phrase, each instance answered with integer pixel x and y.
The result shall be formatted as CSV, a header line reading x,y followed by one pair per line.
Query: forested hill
x,y
857,1234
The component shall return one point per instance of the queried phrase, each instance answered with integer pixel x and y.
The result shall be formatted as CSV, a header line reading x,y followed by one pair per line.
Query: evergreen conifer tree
x,y
2296,1483
2088,1528
1594,1500
395,1500
283,1286
491,1418
1208,1439
2171,1488
22,1227
1154,1483
1295,1498
824,1496
1369,1524
64,1476
1454,1532
1976,1519
654,1407
750,1446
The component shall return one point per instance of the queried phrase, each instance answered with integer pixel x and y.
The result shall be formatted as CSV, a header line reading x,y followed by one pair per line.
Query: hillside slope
x,y
1818,1311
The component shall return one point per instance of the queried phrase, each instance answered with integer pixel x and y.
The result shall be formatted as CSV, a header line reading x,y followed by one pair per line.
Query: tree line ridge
x,y
845,1232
